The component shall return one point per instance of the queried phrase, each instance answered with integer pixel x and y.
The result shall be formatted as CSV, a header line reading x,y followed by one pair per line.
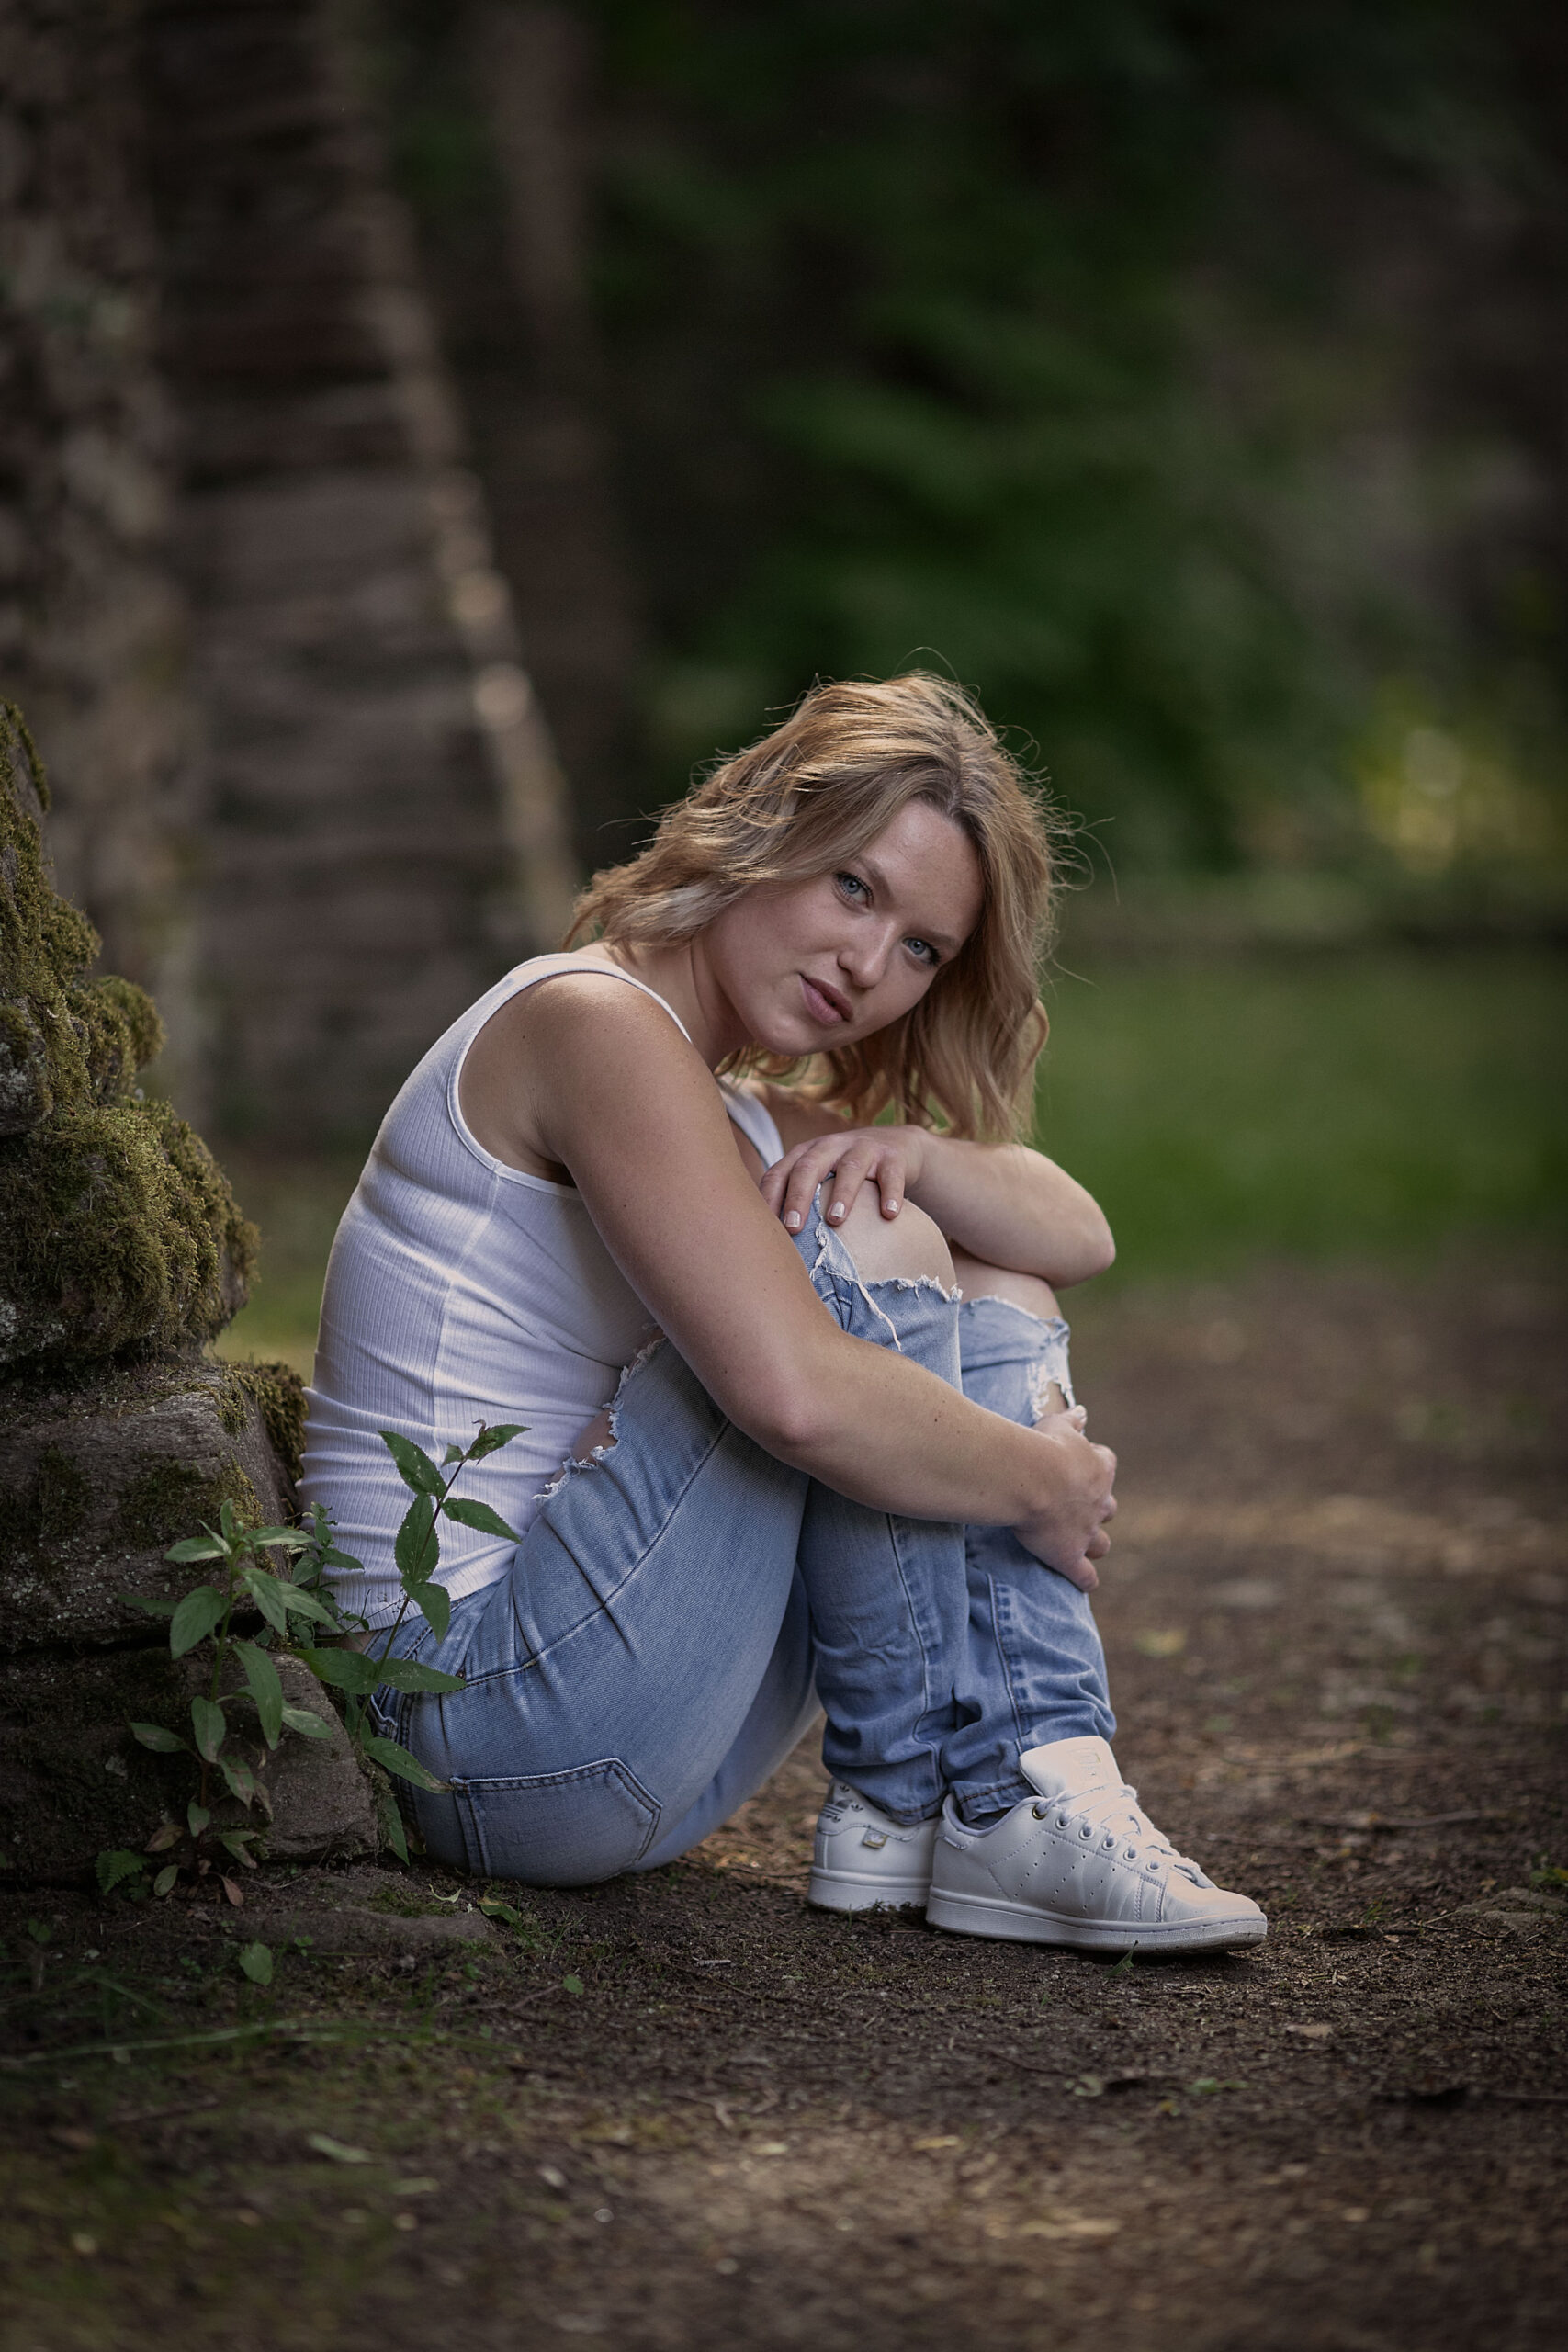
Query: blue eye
x,y
923,949
849,884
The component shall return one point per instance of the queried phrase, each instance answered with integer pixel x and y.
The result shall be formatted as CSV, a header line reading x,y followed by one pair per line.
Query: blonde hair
x,y
814,793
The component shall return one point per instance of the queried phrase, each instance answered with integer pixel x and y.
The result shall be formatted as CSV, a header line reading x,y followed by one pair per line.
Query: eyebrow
x,y
943,939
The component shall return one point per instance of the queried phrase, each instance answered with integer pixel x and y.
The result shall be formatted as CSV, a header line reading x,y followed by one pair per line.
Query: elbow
x,y
784,1411
1094,1252
1100,1252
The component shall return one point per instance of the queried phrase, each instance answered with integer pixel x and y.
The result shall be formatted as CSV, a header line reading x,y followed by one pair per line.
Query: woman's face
x,y
806,966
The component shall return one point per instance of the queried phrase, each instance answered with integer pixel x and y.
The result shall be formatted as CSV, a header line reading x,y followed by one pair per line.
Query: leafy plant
x,y
300,1619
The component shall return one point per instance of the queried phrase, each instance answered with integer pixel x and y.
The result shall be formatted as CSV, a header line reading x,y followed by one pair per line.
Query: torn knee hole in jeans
x,y
1050,1386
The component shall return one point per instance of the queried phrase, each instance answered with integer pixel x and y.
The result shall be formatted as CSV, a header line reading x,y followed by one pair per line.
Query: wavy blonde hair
x,y
814,793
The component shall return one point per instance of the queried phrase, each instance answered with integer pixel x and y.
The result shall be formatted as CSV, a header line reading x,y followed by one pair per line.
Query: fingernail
x,y
793,1219
837,1210
893,1208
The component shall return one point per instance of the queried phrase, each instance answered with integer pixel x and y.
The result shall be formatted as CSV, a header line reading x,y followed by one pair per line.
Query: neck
x,y
681,973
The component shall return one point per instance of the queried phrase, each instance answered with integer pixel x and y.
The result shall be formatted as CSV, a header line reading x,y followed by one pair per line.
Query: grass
x,y
1370,1103
1374,1104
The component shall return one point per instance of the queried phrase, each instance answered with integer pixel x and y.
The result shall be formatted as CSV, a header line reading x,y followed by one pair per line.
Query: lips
x,y
824,1003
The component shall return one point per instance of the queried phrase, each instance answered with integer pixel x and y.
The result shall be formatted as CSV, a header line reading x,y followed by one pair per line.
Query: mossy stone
x,y
99,1479
118,1232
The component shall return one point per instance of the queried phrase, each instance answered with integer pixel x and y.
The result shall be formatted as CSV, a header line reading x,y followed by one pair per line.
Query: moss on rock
x,y
118,1231
278,1394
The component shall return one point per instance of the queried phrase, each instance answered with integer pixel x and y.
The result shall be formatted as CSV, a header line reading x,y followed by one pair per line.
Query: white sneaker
x,y
863,1858
1082,1864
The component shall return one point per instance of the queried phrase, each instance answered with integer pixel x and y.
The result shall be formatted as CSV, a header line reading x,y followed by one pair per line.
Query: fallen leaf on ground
x,y
338,2150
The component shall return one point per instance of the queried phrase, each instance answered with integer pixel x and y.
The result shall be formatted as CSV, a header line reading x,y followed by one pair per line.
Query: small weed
x,y
300,1620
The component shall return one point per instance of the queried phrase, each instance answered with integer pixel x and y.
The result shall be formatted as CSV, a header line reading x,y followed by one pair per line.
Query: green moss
x,y
279,1393
118,1231
171,1500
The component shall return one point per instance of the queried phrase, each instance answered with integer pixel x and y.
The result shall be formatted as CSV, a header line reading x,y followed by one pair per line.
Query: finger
x,y
1098,1544
809,1166
1082,1574
853,1167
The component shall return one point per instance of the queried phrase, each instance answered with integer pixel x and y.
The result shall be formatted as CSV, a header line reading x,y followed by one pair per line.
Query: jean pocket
x,y
556,1829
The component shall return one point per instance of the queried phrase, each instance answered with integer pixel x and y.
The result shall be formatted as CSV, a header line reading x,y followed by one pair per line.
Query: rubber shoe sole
x,y
1024,1923
832,1890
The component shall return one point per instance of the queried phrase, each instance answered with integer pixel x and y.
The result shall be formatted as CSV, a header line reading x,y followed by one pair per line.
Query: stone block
x,y
73,1781
96,1483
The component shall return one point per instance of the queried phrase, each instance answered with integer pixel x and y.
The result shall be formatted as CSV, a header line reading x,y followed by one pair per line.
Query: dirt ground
x,y
684,2110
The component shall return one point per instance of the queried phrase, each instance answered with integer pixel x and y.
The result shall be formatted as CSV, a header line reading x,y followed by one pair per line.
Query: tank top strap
x,y
550,968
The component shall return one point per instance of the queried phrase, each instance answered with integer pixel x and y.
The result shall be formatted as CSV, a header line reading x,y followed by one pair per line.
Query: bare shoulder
x,y
574,1037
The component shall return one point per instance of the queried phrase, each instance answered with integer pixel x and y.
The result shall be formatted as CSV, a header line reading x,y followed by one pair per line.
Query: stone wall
x,y
301,783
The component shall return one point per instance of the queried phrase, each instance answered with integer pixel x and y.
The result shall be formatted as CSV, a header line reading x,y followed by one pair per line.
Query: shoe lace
x,y
1120,1821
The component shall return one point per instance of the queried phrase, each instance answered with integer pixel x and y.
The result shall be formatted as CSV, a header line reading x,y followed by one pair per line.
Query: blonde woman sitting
x,y
805,1372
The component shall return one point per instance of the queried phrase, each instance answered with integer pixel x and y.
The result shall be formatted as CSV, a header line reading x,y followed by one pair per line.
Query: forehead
x,y
926,864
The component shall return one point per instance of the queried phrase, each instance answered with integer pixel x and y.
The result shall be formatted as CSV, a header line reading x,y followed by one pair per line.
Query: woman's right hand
x,y
1067,1531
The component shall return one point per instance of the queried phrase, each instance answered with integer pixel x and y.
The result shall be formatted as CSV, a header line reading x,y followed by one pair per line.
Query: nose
x,y
864,958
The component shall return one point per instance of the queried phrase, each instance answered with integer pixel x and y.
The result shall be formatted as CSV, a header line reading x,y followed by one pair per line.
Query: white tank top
x,y
461,1291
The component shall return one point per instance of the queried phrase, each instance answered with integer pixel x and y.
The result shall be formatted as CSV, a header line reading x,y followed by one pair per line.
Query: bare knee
x,y
977,1280
884,1249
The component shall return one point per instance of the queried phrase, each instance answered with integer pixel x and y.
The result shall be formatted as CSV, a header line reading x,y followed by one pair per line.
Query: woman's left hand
x,y
890,1158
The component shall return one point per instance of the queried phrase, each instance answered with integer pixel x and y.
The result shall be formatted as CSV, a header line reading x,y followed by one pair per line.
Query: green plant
x,y
295,1590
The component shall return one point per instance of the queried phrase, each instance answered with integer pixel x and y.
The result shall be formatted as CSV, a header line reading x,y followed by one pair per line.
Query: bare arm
x,y
617,1097
1002,1203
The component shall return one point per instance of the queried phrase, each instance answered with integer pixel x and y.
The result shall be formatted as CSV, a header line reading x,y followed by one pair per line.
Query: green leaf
x,y
490,1441
165,1879
115,1865
479,1515
167,1834
407,1674
309,1726
148,1608
241,1779
279,1599
40,1932
391,1822
267,1591
415,1467
572,1985
344,1669
393,1759
197,1817
195,1617
197,1547
433,1603
228,1525
239,1842
265,1689
207,1715
264,1539
495,1908
418,1547
256,1959
161,1742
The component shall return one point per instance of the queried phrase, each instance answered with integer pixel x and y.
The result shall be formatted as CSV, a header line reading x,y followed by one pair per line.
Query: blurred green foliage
x,y
1166,369
1371,1104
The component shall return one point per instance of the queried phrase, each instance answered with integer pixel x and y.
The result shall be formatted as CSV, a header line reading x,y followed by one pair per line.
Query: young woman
x,y
800,1428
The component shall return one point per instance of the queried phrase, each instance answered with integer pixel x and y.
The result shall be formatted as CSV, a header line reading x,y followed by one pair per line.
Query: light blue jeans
x,y
683,1603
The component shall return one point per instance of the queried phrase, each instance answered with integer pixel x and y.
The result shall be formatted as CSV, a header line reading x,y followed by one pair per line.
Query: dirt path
x,y
683,2110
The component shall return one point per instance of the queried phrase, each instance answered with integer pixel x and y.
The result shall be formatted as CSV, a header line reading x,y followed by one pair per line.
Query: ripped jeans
x,y
684,1601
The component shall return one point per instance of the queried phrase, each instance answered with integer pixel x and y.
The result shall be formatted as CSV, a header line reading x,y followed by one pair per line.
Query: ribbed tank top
x,y
460,1289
